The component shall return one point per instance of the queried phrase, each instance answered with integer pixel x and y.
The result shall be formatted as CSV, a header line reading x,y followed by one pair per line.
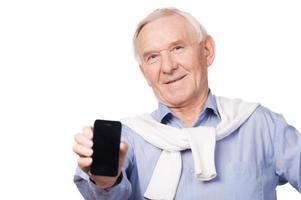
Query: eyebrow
x,y
174,43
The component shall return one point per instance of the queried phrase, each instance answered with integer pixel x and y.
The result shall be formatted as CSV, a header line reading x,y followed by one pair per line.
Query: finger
x,y
123,149
82,151
84,163
83,140
88,132
122,153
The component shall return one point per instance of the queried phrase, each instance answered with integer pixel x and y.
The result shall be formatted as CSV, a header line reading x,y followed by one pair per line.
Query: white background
x,y
65,63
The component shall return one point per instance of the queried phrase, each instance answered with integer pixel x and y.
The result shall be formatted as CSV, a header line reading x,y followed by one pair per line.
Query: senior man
x,y
195,145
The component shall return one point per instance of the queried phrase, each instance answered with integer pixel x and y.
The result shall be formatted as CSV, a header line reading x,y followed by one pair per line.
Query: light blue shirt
x,y
262,153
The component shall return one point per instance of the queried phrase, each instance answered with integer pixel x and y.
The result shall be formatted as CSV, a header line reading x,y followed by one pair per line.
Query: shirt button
x,y
191,171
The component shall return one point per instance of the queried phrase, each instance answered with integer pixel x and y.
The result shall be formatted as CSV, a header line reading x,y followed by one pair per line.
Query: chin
x,y
175,101
174,98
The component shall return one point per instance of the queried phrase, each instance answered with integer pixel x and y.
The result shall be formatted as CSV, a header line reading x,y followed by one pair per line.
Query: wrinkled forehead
x,y
160,33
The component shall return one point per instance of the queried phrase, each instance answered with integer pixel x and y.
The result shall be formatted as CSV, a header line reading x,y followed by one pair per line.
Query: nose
x,y
167,64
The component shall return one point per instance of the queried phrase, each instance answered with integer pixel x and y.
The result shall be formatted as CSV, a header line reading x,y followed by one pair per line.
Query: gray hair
x,y
162,12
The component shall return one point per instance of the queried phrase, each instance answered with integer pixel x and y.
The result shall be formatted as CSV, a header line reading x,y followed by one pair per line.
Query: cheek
x,y
152,75
189,60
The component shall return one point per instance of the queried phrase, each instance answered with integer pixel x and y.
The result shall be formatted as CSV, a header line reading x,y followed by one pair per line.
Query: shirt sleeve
x,y
90,191
287,153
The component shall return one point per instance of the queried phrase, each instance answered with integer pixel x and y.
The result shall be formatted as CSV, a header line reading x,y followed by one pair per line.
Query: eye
x,y
178,48
152,58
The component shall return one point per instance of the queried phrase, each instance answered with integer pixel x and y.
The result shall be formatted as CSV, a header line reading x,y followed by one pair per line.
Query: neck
x,y
190,112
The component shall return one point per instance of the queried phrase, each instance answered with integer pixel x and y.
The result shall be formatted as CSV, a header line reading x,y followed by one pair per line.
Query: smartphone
x,y
106,143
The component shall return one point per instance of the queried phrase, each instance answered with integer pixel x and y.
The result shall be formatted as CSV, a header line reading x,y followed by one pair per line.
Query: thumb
x,y
123,149
122,154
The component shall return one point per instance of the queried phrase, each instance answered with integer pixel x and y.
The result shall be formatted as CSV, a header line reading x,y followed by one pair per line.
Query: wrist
x,y
106,185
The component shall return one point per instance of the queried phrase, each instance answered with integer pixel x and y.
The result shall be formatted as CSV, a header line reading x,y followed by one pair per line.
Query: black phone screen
x,y
106,142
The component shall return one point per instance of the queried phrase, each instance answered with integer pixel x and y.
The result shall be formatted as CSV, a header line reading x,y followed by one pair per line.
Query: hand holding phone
x,y
106,143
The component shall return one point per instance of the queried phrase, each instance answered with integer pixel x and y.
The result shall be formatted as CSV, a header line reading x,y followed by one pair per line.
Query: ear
x,y
144,74
209,50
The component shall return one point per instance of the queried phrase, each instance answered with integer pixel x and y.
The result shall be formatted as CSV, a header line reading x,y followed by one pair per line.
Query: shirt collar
x,y
163,111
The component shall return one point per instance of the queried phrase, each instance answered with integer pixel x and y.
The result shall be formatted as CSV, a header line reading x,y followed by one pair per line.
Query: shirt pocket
x,y
243,180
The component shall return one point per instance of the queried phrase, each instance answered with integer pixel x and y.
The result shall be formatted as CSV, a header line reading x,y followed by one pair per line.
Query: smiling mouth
x,y
175,80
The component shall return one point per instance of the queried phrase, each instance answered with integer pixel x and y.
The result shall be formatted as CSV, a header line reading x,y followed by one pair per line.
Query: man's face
x,y
173,62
